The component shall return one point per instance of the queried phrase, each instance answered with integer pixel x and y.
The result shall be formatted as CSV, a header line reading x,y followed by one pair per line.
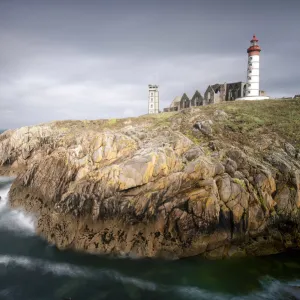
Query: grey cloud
x,y
94,59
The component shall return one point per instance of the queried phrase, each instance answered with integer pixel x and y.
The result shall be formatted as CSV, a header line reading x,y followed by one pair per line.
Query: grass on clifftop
x,y
249,120
265,117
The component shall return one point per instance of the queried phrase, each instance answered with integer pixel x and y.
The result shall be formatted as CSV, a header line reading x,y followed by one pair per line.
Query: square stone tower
x,y
153,99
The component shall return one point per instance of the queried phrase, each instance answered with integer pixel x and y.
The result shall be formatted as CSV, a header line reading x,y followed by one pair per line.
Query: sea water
x,y
31,269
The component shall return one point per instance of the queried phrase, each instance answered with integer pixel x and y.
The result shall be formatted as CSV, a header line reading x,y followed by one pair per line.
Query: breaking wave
x,y
270,288
14,219
31,264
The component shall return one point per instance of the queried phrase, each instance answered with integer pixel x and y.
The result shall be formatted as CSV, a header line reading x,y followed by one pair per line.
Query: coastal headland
x,y
219,181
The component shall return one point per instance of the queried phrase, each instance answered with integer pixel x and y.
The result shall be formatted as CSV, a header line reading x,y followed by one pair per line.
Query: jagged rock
x,y
290,149
204,127
152,187
193,153
220,115
231,166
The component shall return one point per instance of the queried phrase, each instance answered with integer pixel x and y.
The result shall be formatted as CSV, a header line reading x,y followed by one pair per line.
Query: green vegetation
x,y
248,122
251,119
263,117
111,121
263,203
189,134
240,182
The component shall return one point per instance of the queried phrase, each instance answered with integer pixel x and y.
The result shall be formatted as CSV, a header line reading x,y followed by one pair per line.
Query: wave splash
x,y
44,266
270,287
14,219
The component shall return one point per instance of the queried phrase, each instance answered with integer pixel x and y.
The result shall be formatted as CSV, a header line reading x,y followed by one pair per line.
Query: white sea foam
x,y
273,289
142,284
17,221
70,270
14,219
270,289
191,292
3,197
45,266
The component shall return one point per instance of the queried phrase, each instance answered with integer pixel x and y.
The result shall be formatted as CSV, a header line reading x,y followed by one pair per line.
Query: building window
x,y
151,94
151,105
208,95
248,92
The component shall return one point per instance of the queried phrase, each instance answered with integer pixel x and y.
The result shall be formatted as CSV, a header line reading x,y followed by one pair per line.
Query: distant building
x,y
184,101
197,99
217,93
297,97
221,92
153,99
235,90
175,105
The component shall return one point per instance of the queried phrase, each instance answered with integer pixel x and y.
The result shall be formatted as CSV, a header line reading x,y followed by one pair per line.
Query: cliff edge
x,y
220,181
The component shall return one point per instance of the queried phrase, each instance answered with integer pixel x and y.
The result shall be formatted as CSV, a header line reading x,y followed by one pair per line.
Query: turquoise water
x,y
30,269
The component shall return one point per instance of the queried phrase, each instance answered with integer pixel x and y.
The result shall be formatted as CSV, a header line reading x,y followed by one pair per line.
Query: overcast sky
x,y
92,59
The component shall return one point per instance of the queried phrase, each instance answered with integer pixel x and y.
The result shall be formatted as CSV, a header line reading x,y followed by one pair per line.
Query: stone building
x,y
235,90
175,105
224,92
297,97
184,101
215,93
197,99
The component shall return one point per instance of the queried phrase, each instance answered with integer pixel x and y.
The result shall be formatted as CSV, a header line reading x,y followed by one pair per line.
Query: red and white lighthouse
x,y
253,69
252,90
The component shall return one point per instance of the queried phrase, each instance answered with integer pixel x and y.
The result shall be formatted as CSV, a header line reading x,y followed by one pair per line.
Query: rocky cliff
x,y
221,180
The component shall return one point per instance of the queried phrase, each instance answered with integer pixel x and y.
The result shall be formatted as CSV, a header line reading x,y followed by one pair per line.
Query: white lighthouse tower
x,y
153,99
252,90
